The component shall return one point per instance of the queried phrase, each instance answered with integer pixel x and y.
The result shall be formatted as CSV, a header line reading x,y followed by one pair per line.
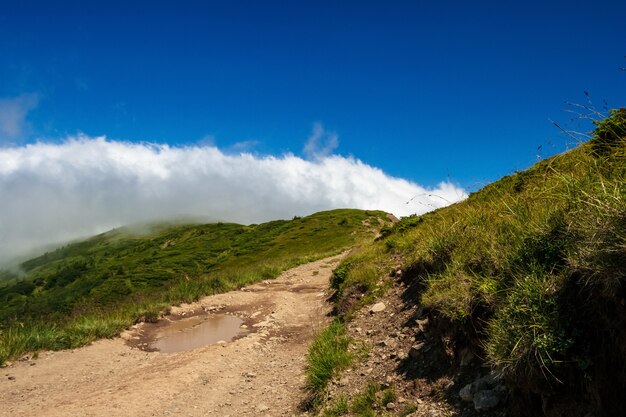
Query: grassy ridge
x,y
532,268
97,287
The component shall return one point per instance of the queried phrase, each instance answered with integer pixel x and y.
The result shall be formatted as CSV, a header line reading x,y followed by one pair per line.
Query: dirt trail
x,y
261,374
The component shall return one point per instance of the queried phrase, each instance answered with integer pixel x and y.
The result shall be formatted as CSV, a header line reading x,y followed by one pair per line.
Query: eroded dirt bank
x,y
259,374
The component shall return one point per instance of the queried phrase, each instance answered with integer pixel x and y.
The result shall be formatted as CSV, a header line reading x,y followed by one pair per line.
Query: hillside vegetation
x,y
529,271
97,287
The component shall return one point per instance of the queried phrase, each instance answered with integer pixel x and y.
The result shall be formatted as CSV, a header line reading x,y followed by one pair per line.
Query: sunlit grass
x,y
505,262
328,354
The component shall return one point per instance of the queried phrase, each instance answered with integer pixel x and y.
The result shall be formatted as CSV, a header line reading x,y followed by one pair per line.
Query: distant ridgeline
x,y
95,288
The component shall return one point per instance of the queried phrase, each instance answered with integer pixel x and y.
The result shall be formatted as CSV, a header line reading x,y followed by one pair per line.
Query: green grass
x,y
328,354
534,264
97,287
339,407
369,402
364,404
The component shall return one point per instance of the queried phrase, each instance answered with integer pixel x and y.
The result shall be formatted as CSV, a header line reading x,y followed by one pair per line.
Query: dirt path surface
x,y
261,374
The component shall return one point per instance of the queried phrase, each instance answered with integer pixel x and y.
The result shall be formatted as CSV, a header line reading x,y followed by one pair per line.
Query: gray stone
x,y
466,393
486,399
487,382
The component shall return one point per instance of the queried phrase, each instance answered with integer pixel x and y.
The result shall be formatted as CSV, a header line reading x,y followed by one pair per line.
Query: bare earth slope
x,y
260,374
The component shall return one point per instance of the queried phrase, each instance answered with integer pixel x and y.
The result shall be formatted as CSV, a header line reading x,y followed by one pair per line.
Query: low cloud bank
x,y
51,193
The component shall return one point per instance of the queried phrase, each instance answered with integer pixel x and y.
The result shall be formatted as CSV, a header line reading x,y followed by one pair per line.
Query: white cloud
x,y
321,143
13,112
55,192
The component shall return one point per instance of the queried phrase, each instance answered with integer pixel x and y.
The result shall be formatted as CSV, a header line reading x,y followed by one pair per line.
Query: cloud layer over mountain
x,y
82,186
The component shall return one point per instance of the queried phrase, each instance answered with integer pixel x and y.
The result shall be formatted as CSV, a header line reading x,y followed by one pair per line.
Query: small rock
x,y
377,308
485,383
467,393
415,350
390,406
261,408
422,324
399,273
11,378
486,399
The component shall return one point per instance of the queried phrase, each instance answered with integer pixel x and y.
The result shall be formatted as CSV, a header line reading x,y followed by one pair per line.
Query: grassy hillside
x,y
97,287
530,271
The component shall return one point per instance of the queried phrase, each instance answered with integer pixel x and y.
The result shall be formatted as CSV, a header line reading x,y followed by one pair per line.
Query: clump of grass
x,y
364,404
388,395
370,402
328,355
338,407
526,335
450,293
356,281
610,133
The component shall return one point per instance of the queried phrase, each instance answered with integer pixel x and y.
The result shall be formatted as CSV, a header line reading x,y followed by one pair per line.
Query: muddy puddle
x,y
191,333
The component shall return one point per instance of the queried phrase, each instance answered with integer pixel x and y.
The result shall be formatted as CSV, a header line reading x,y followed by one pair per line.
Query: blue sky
x,y
365,104
423,90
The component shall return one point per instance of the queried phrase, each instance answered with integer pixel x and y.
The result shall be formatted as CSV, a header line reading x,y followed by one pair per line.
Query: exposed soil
x,y
260,373
422,358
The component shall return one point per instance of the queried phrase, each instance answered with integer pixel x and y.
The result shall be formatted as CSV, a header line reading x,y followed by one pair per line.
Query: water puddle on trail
x,y
195,332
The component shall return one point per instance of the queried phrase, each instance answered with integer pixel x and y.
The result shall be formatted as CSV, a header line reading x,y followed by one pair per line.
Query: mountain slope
x,y
527,274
